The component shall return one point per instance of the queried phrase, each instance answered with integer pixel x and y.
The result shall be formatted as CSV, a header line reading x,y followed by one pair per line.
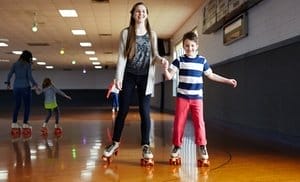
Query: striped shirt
x,y
191,72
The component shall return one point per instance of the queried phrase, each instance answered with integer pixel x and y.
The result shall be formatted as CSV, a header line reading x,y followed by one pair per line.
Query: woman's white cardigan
x,y
154,58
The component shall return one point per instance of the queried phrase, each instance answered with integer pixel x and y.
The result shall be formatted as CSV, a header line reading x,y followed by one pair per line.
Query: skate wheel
x,y
203,163
15,133
147,162
58,132
175,161
44,131
26,132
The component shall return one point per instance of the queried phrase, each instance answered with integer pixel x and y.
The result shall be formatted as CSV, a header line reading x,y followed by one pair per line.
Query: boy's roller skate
x,y
15,131
44,131
147,159
203,156
175,156
26,131
110,150
58,132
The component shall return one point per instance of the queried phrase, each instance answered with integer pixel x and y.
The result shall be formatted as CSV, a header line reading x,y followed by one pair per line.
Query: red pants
x,y
181,112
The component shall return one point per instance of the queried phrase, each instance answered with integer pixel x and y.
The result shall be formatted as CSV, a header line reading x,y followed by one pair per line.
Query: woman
x,y
135,69
22,91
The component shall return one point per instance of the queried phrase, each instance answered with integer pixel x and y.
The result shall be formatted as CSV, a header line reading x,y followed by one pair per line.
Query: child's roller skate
x,y
44,131
58,132
15,131
175,156
203,157
109,151
26,131
147,159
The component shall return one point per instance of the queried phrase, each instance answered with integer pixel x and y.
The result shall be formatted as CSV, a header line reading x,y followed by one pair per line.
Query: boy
x,y
191,68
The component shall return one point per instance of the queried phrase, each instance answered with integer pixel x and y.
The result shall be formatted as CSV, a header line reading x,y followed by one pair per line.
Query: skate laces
x,y
112,146
146,149
175,149
203,150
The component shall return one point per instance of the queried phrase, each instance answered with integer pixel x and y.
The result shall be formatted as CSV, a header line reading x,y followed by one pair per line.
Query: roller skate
x,y
109,151
26,131
203,157
44,131
175,158
147,159
15,131
58,132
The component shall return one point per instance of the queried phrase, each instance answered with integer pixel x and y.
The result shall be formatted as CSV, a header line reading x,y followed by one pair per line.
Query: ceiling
x,y
102,22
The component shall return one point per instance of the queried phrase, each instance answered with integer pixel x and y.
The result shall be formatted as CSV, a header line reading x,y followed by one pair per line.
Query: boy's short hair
x,y
190,36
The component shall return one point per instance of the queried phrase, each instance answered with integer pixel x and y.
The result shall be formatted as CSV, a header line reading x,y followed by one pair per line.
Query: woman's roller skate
x,y
58,131
147,159
109,151
26,131
15,131
203,156
175,156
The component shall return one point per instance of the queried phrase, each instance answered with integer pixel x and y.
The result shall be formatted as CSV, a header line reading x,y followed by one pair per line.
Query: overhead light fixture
x,y
98,67
73,62
96,63
3,44
68,13
62,51
41,63
49,67
90,52
34,27
85,44
93,58
78,32
17,52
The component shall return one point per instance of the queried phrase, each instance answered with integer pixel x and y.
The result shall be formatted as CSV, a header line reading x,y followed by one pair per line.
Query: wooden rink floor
x,y
77,155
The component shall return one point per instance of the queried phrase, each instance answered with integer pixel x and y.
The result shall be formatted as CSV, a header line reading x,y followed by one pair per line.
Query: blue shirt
x,y
23,74
191,71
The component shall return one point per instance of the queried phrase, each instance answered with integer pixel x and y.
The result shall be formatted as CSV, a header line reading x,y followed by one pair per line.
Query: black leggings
x,y
131,82
56,112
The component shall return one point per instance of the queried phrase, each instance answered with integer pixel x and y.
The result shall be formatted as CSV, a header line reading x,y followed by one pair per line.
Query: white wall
x,y
96,79
270,21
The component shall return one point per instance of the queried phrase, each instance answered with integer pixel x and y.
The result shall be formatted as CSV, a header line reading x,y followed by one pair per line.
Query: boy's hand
x,y
165,63
233,82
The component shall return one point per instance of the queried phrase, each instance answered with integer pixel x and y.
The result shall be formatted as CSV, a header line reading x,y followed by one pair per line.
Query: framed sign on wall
x,y
235,29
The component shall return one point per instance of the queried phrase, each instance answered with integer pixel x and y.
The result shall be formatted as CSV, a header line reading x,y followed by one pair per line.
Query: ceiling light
x,y
78,32
73,62
62,51
98,67
93,58
17,52
96,63
41,63
85,44
4,60
2,44
34,27
68,13
90,52
49,67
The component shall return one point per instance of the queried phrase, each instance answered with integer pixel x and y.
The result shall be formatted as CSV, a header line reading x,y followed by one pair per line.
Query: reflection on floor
x,y
77,155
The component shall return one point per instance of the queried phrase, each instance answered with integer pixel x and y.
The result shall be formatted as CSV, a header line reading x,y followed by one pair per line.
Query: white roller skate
x,y
202,156
26,131
15,131
147,156
175,156
109,151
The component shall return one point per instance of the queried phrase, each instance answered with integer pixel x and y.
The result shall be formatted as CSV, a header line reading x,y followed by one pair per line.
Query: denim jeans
x,y
19,95
130,82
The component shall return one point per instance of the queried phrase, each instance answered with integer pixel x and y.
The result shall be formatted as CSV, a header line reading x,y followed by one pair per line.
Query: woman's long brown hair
x,y
131,38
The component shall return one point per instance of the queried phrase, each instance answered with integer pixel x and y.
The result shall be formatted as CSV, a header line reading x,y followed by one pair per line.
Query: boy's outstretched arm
x,y
221,79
